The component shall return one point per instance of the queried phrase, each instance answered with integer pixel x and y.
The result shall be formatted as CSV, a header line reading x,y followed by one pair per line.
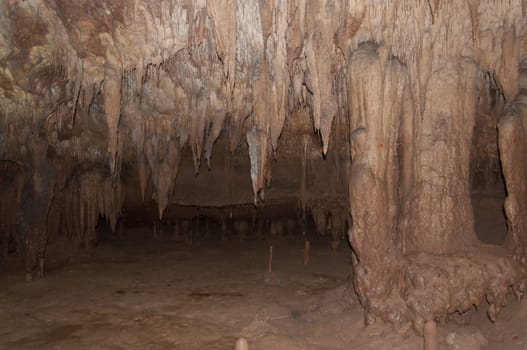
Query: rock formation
x,y
384,110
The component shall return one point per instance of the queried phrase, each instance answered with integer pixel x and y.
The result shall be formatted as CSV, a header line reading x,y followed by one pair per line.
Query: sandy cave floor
x,y
139,293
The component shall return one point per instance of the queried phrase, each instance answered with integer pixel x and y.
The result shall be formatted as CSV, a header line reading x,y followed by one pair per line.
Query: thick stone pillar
x,y
376,87
437,215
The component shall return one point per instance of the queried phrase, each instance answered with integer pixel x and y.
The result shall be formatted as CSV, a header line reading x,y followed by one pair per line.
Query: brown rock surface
x,y
380,117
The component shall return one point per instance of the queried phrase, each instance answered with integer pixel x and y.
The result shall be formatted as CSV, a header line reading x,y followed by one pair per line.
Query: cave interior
x,y
365,157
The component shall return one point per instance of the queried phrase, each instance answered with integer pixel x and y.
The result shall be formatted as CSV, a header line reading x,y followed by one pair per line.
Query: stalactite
x,y
320,61
163,156
217,111
87,195
112,109
277,70
508,73
434,6
303,180
258,141
242,101
197,131
473,10
225,23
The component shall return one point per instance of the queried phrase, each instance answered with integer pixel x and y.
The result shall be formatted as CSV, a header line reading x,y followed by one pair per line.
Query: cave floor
x,y
140,293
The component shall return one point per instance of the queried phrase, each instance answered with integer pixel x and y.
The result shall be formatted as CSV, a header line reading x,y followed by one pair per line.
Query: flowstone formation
x,y
395,101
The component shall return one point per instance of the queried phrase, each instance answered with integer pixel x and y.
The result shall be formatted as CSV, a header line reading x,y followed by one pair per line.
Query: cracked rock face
x,y
383,109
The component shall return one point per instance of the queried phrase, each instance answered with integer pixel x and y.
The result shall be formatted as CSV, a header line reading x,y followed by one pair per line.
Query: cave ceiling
x,y
140,84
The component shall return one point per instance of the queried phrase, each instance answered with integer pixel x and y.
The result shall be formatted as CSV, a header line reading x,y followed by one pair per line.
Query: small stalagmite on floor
x,y
431,341
242,344
307,248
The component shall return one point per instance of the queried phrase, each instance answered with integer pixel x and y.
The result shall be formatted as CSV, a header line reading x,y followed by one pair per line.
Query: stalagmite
x,y
431,341
270,260
242,344
307,248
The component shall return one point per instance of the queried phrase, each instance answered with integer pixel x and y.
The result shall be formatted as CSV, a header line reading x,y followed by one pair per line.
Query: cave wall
x,y
309,99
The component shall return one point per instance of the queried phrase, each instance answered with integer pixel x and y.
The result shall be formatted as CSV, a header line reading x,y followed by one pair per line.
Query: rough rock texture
x,y
437,286
513,147
305,97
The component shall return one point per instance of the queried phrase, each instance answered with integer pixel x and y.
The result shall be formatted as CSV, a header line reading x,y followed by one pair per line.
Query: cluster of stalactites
x,y
84,199
194,65
190,66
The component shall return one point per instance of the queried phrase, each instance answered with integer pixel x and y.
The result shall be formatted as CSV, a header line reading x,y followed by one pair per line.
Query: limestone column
x,y
376,86
437,214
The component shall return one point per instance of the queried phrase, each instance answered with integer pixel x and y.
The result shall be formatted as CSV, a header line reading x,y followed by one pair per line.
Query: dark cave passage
x,y
488,189
489,217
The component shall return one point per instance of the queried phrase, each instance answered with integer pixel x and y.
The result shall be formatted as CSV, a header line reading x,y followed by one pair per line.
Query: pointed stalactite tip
x,y
325,146
161,210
